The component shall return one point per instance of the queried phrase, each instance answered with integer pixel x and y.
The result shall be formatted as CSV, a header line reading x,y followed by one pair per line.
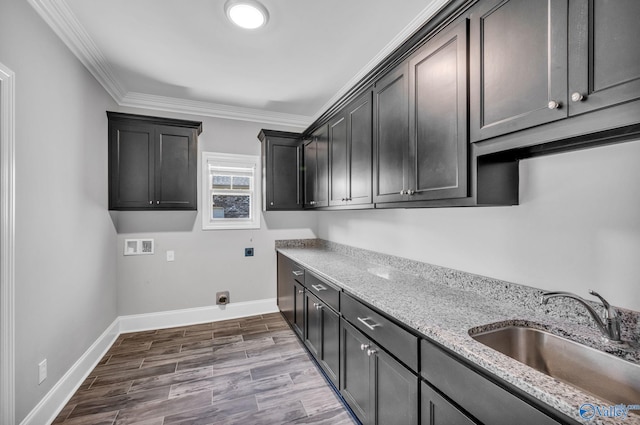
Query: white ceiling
x,y
185,56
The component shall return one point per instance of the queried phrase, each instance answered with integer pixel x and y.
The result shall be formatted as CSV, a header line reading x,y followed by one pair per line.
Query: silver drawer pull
x,y
368,322
300,291
364,347
298,272
370,352
319,287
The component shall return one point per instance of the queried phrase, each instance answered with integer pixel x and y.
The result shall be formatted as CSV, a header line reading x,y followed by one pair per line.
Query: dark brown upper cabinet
x,y
282,170
438,118
350,154
604,58
316,169
391,135
518,65
152,163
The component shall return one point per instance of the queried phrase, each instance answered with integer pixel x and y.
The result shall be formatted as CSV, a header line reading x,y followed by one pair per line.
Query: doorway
x,y
7,245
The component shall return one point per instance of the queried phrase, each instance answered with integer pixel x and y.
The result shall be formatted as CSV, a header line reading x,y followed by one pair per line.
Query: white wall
x,y
205,261
577,227
65,240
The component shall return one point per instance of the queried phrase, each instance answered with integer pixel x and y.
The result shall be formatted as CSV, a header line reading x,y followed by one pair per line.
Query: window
x,y
229,194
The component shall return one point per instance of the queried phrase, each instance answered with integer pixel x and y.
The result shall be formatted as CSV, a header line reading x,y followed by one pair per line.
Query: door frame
x,y
7,245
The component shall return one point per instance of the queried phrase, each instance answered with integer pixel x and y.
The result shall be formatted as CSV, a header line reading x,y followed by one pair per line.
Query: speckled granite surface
x,y
445,304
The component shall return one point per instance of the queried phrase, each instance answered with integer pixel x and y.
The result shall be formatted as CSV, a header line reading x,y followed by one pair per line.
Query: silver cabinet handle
x,y
402,192
577,97
298,272
319,287
318,306
157,202
365,321
370,352
300,291
364,347
410,192
271,203
553,104
150,202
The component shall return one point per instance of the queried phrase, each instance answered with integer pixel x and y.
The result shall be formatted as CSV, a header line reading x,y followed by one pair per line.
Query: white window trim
x,y
225,159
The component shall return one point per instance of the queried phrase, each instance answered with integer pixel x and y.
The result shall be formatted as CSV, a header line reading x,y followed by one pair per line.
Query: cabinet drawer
x,y
328,293
297,272
387,334
474,393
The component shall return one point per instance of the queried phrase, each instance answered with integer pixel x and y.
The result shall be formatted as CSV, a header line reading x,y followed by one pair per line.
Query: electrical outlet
x,y
248,252
171,255
42,371
222,298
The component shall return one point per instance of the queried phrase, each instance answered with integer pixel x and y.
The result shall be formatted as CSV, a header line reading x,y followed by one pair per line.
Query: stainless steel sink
x,y
601,374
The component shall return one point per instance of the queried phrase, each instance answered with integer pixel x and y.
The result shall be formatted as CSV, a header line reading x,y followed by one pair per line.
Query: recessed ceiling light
x,y
248,14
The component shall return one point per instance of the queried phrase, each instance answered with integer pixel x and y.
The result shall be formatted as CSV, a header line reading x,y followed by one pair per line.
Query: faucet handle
x,y
610,311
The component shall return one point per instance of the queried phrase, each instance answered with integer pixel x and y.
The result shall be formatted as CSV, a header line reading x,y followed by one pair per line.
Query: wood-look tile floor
x,y
247,371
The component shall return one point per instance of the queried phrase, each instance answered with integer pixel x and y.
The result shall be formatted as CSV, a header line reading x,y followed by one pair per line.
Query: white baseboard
x,y
52,403
49,407
193,316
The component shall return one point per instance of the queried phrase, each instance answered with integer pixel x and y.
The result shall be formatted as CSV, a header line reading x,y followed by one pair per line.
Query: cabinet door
x,y
338,160
298,309
391,135
283,174
360,150
322,163
518,65
313,325
286,293
436,410
175,168
330,351
356,385
604,58
131,151
396,391
310,152
438,117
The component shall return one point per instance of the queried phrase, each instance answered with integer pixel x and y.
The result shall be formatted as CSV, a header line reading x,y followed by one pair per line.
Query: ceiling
x,y
185,56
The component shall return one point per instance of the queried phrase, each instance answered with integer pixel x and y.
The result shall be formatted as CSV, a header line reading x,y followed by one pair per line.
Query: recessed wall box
x,y
139,246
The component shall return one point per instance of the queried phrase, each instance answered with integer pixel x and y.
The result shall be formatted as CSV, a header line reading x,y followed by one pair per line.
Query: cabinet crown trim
x,y
197,125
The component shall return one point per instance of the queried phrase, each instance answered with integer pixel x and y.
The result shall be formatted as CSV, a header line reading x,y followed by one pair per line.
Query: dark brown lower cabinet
x,y
378,388
289,275
436,410
298,309
322,336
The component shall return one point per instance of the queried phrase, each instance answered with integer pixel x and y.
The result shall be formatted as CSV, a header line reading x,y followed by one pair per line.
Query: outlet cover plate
x,y
42,371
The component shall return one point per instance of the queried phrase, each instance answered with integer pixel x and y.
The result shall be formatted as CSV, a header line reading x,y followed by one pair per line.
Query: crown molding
x,y
59,16
413,26
207,109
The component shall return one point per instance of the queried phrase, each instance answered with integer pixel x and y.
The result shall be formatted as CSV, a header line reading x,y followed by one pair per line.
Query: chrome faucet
x,y
610,327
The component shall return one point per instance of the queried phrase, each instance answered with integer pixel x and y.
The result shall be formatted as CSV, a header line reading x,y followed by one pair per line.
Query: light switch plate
x,y
171,255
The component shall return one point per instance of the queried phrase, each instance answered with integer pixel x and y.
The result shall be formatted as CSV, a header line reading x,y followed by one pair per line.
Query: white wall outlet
x,y
42,371
171,255
139,246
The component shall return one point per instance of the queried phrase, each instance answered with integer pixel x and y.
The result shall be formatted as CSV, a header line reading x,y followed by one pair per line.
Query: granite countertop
x,y
446,313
